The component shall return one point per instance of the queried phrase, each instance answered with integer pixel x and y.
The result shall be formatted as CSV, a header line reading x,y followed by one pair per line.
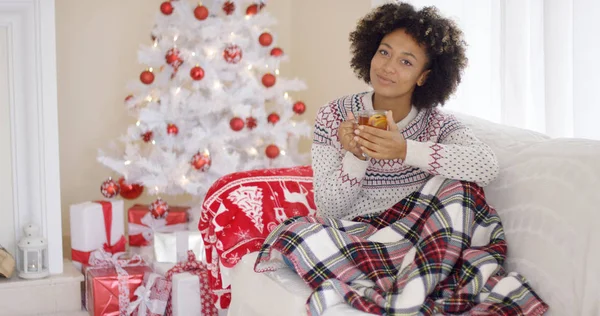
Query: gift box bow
x,y
149,225
145,301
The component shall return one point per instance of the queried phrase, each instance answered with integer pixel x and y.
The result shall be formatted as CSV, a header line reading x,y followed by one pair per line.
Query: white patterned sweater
x,y
437,144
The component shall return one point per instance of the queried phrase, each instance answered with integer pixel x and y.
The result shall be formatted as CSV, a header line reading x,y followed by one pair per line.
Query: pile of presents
x,y
161,273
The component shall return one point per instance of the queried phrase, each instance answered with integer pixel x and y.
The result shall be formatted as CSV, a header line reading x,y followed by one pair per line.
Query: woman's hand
x,y
346,135
380,144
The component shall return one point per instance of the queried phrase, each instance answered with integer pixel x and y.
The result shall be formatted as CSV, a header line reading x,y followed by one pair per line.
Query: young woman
x,y
402,227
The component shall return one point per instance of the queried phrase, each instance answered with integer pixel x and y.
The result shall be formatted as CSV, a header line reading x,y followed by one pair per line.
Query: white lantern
x,y
33,254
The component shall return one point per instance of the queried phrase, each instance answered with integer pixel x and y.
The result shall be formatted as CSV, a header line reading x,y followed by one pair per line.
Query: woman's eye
x,y
406,62
383,52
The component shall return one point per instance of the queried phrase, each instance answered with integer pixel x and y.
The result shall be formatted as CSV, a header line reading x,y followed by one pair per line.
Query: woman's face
x,y
398,65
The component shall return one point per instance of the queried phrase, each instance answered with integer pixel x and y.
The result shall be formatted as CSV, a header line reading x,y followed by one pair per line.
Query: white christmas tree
x,y
210,101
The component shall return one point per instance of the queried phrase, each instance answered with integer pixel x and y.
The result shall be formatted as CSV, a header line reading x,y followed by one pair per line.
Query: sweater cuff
x,y
353,166
419,154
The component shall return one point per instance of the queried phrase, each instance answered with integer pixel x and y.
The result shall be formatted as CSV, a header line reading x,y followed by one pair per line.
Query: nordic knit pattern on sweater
x,y
437,144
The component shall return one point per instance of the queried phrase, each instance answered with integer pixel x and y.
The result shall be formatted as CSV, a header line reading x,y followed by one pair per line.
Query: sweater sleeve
x,y
458,155
337,174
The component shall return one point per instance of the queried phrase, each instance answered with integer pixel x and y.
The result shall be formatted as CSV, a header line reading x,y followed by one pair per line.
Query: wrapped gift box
x,y
142,226
173,247
110,289
152,296
96,225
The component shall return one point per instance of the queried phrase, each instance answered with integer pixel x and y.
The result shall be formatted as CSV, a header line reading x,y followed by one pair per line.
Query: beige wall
x,y
97,44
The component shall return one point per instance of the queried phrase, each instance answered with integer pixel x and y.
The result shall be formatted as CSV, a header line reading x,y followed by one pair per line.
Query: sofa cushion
x,y
545,195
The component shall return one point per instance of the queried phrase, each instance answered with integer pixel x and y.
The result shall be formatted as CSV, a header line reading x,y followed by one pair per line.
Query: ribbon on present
x,y
83,257
102,259
198,268
151,299
149,225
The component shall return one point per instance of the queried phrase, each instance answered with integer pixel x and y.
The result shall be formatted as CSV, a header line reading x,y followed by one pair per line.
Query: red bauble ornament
x,y
109,188
251,123
236,124
201,12
272,151
159,209
232,54
228,7
147,77
252,9
172,129
166,8
265,39
268,80
276,52
197,73
273,118
130,191
299,107
129,97
201,161
173,58
147,136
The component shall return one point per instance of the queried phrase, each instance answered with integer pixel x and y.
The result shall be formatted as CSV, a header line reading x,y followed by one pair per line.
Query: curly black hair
x,y
441,37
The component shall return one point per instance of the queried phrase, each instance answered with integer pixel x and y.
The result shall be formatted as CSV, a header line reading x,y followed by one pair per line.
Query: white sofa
x,y
547,195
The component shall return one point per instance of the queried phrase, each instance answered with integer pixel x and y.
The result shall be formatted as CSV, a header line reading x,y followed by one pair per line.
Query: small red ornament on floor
x,y
232,54
130,191
268,80
252,9
197,73
158,209
273,118
201,12
276,52
147,136
109,188
228,7
173,58
272,151
147,77
166,8
236,124
251,123
201,161
299,107
265,39
172,129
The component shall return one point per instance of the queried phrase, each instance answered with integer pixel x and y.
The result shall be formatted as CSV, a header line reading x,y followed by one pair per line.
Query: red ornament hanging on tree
x,y
232,54
130,191
265,39
228,7
201,12
159,209
129,97
109,188
147,77
299,107
197,73
147,136
272,151
268,80
251,123
252,9
173,58
201,161
276,52
172,129
236,124
273,118
166,8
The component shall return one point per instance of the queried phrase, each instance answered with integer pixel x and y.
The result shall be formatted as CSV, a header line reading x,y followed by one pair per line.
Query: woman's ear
x,y
423,77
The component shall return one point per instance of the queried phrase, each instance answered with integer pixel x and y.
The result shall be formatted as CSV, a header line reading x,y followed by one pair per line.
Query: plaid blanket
x,y
438,251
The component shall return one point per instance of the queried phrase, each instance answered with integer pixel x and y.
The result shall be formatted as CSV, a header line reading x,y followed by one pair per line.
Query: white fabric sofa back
x,y
548,197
